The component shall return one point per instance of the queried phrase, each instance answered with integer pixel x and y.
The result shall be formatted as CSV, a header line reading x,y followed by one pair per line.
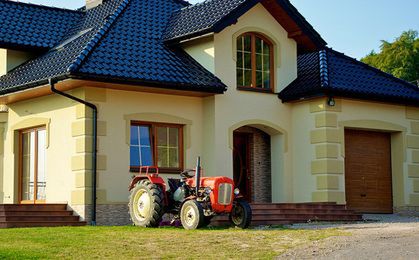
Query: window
x,y
155,144
254,62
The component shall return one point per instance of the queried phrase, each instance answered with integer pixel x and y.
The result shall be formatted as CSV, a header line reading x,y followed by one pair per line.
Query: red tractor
x,y
193,199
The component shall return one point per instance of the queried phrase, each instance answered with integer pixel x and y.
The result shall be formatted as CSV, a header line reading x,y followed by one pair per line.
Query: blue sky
x,y
354,27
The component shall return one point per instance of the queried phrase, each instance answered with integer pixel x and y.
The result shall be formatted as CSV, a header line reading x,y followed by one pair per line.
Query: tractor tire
x,y
146,204
192,215
241,214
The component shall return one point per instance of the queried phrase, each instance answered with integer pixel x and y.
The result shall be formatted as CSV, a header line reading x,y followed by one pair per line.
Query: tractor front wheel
x,y
241,214
146,204
192,215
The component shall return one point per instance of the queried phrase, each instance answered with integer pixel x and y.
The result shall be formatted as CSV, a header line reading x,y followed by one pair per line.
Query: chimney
x,y
93,3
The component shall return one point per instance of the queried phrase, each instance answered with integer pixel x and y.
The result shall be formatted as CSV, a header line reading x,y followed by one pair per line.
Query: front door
x,y
32,166
241,163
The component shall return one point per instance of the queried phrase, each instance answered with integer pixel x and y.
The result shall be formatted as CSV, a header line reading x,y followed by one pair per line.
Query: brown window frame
x,y
253,63
153,136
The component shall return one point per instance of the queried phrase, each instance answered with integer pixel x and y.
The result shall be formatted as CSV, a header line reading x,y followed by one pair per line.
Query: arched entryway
x,y
252,163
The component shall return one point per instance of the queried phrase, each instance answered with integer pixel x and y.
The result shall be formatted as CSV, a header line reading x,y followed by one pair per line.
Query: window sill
x,y
161,170
260,90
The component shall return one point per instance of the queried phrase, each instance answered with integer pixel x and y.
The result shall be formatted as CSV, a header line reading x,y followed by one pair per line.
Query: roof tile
x,y
29,26
329,72
124,45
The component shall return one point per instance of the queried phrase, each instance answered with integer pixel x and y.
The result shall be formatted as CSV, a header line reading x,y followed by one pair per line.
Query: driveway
x,y
382,237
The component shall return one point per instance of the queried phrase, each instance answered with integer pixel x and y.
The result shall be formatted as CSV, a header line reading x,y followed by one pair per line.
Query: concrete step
x,y
288,213
36,213
22,224
33,207
301,211
264,206
38,218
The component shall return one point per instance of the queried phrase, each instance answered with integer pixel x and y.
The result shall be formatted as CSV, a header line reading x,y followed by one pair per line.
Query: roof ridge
x,y
184,2
380,72
323,69
75,65
246,4
42,6
194,5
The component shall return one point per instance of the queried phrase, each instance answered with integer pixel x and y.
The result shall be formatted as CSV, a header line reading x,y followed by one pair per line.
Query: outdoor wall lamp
x,y
331,102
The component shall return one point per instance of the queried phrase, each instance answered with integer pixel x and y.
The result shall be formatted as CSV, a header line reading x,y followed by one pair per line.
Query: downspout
x,y
94,143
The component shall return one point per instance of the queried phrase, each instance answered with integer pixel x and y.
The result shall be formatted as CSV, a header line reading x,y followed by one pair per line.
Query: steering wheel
x,y
188,173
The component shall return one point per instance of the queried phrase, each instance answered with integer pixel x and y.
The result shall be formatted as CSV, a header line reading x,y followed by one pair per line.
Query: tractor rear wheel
x,y
241,214
192,215
146,204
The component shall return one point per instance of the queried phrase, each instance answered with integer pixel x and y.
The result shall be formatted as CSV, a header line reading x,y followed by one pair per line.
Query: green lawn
x,y
134,242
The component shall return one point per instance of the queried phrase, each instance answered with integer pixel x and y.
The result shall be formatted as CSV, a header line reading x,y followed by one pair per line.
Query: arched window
x,y
254,62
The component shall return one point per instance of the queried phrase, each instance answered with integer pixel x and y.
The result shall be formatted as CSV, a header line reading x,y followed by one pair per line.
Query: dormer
x,y
93,3
251,45
10,59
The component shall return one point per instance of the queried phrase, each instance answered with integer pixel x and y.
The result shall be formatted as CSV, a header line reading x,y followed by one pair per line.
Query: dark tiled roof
x,y
119,41
121,53
200,18
215,15
330,73
30,26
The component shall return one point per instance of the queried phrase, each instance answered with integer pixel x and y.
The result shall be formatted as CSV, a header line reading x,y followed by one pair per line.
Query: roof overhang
x,y
44,89
295,24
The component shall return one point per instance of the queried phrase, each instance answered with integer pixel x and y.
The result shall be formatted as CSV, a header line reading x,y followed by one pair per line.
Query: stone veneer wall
x,y
106,214
260,164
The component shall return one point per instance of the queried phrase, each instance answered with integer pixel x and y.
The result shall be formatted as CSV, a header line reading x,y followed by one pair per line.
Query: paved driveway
x,y
393,237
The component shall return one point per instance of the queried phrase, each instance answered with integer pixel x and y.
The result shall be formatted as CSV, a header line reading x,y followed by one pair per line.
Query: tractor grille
x,y
224,193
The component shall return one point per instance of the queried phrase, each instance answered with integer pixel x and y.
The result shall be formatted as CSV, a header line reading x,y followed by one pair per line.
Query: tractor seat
x,y
174,184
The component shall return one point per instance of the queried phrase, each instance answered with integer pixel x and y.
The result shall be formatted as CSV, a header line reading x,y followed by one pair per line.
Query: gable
x,y
256,20
216,15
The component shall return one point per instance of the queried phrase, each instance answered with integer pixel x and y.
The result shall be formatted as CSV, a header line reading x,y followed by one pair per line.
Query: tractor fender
x,y
153,179
186,199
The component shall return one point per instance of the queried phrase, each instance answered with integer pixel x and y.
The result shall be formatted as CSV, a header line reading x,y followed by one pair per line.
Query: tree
x,y
399,58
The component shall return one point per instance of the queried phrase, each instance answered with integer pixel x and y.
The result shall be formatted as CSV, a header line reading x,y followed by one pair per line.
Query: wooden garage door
x,y
368,171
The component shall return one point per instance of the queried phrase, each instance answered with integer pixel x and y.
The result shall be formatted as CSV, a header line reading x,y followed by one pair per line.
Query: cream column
x,y
412,114
3,127
81,161
328,167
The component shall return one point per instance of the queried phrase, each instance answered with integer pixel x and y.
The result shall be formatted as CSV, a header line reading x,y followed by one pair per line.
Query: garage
x,y
368,179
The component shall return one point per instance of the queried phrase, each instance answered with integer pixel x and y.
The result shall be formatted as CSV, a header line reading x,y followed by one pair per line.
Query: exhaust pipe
x,y
198,175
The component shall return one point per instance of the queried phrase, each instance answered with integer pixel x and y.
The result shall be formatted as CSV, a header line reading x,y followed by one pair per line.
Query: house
x,y
249,85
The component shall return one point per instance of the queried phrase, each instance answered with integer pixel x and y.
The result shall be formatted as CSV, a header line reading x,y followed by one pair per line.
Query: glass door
x,y
32,165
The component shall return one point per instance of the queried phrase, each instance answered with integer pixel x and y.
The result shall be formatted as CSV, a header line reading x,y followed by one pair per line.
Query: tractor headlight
x,y
208,190
236,191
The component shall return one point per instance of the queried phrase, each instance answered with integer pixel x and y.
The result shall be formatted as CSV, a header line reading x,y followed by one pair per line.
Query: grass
x,y
134,242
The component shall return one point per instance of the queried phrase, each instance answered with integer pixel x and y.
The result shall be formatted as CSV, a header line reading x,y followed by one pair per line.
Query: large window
x,y
254,62
155,144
